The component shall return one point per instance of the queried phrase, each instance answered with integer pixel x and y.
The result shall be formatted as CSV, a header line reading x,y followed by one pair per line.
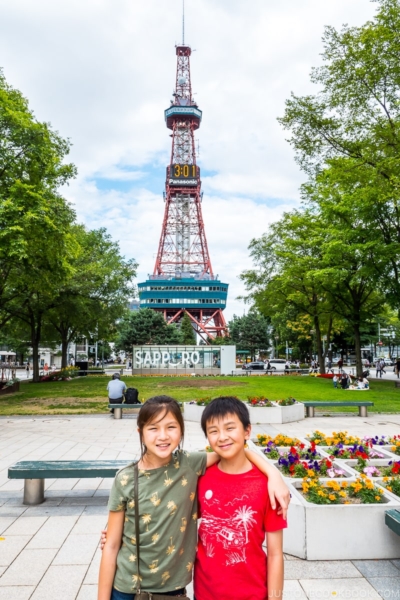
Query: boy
x,y
235,515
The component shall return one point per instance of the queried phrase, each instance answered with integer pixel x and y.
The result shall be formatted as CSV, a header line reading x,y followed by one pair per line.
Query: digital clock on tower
x,y
178,171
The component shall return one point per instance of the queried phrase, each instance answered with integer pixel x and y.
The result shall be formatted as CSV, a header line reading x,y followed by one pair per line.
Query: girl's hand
x,y
278,493
103,539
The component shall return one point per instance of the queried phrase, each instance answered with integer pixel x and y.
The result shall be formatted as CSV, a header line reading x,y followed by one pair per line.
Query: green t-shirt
x,y
168,523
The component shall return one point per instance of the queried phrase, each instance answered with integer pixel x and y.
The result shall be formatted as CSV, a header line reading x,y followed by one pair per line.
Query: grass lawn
x,y
88,395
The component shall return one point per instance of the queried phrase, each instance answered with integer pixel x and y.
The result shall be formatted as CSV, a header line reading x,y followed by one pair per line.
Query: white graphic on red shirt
x,y
231,529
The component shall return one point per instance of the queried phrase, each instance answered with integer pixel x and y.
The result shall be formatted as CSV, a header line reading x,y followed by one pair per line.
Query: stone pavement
x,y
50,552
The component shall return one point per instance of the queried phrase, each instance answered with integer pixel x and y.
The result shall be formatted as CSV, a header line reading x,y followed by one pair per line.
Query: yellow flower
x,y
343,494
332,497
389,488
310,472
377,498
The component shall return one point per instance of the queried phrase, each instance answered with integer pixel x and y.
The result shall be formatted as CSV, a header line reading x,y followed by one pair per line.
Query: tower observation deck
x,y
183,280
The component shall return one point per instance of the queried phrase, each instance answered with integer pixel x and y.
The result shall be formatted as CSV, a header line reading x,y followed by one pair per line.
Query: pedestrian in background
x,y
116,389
383,366
335,380
397,365
378,369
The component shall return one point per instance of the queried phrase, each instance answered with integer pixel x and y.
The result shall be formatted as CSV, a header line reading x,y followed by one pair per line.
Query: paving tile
x,y
87,592
2,569
89,524
28,568
25,526
56,511
92,574
320,569
10,547
376,568
63,484
340,589
13,485
96,510
396,563
82,501
60,582
77,550
12,511
293,591
5,522
387,587
21,592
53,533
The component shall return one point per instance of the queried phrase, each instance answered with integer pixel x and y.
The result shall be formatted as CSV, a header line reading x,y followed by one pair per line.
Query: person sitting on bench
x,y
116,389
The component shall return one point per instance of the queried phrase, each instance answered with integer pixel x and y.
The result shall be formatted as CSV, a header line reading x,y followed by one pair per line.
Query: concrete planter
x,y
258,414
338,532
192,412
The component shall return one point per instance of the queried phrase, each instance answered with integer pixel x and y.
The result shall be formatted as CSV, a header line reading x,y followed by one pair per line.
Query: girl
x,y
167,509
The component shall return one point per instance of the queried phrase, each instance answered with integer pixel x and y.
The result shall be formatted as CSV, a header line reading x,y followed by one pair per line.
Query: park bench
x,y
119,407
36,471
392,520
362,406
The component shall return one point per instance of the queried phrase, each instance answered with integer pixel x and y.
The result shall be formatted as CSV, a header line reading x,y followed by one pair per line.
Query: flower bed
x,y
395,444
293,466
361,491
260,401
278,440
375,468
331,531
356,451
392,484
337,437
61,375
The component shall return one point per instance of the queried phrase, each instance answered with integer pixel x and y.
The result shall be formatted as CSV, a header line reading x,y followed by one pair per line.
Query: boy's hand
x,y
278,494
103,539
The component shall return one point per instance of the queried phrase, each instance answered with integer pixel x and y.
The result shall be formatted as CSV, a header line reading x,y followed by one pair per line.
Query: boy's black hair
x,y
222,406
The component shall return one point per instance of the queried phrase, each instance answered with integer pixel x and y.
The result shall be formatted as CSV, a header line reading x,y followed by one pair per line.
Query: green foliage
x,y
187,333
250,332
145,326
96,293
346,136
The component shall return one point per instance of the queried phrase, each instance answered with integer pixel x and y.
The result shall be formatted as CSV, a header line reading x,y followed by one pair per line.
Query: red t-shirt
x,y
235,515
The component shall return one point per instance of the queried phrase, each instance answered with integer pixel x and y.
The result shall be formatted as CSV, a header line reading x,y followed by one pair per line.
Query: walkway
x,y
50,551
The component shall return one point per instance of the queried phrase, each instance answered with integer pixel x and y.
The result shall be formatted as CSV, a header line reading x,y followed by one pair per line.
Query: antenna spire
x,y
183,22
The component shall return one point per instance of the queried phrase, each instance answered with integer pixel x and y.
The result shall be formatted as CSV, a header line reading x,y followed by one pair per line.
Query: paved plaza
x,y
50,552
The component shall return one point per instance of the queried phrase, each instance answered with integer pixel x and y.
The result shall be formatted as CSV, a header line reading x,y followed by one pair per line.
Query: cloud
x,y
102,72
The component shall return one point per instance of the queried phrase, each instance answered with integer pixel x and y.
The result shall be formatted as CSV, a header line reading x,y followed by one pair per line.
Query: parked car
x,y
255,366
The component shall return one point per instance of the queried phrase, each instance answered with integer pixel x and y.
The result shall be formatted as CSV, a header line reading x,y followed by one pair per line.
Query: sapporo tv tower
x,y
183,279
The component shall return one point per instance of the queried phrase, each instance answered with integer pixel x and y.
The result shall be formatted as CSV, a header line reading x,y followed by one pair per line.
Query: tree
x,y
188,336
35,240
352,126
97,292
145,326
287,261
250,332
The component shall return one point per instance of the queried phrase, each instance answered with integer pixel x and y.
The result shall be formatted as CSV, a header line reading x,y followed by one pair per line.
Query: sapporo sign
x,y
164,358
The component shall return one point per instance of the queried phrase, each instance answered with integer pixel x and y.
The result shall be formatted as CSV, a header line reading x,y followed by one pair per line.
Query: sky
x,y
102,73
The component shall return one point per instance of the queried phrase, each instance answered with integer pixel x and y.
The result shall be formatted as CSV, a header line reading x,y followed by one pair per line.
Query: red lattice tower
x,y
183,258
